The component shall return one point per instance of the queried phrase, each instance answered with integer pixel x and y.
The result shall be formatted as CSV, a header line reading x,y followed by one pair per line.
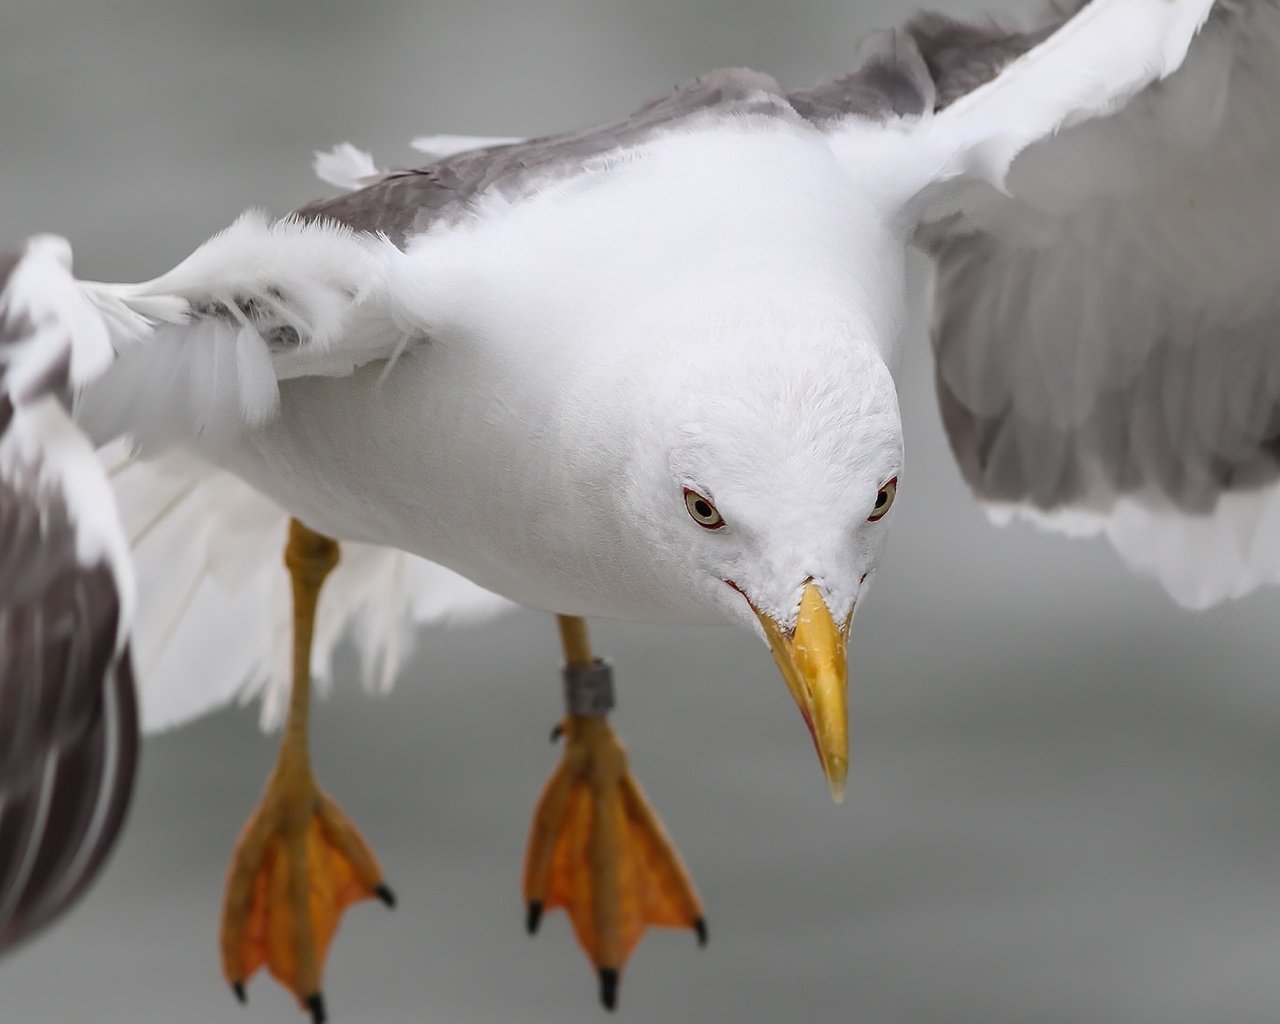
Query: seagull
x,y
645,371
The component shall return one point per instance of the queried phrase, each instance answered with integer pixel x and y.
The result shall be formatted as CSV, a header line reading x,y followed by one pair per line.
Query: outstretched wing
x,y
200,350
1107,336
199,356
68,721
1099,193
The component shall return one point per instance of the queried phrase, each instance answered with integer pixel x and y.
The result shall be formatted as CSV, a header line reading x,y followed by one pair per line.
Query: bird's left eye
x,y
884,500
703,512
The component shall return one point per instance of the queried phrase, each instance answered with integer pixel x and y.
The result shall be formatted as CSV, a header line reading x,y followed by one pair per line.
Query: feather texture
x,y
1108,336
437,147
214,620
68,724
345,166
210,340
1089,66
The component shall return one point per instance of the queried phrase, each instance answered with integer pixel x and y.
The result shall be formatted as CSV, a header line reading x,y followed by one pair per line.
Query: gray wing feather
x,y
1108,346
70,744
1197,413
68,718
900,72
406,203
892,79
961,55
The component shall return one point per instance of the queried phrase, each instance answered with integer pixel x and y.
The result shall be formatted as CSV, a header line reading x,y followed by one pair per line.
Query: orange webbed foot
x,y
298,865
598,849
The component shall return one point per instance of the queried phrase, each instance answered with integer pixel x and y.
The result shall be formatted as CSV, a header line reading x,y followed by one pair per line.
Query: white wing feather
x,y
200,352
58,340
437,147
348,167
345,166
1091,67
258,303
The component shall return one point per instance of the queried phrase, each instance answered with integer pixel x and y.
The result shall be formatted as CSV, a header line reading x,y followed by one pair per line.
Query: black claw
x,y
533,916
700,930
315,1003
609,987
237,988
384,893
557,731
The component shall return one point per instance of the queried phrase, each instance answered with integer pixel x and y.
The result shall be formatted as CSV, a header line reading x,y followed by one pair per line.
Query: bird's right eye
x,y
703,512
884,501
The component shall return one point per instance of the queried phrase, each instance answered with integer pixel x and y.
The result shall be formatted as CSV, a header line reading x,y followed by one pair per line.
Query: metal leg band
x,y
588,690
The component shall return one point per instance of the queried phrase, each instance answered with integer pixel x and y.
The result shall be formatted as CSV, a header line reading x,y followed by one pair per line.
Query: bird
x,y
645,371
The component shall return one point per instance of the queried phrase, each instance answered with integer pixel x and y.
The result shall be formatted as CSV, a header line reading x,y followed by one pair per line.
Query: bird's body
x,y
564,326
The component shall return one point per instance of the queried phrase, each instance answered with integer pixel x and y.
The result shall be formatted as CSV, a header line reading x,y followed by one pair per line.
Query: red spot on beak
x,y
750,604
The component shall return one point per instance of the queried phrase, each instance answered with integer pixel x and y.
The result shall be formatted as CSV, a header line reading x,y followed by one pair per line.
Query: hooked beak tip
x,y
836,775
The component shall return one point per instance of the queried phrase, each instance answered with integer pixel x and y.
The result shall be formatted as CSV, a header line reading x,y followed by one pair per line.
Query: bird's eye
x,y
704,513
884,501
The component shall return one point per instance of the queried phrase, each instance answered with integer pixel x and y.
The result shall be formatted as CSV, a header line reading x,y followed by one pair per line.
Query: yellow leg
x,y
299,863
596,847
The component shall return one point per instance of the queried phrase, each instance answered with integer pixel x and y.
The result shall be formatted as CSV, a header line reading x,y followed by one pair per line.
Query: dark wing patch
x,y
68,720
68,717
961,56
406,203
904,71
892,79
927,64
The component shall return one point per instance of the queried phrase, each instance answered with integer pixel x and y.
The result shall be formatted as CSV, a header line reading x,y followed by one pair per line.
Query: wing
x,y
196,354
200,351
1097,190
198,357
68,722
1107,335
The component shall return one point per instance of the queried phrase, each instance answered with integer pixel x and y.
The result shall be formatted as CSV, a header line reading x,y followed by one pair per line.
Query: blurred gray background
x,y
1063,800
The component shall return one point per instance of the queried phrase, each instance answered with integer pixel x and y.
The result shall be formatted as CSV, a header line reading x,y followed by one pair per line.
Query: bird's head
x,y
768,487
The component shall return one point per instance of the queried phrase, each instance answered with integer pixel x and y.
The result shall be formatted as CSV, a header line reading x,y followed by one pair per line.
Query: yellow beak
x,y
813,661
